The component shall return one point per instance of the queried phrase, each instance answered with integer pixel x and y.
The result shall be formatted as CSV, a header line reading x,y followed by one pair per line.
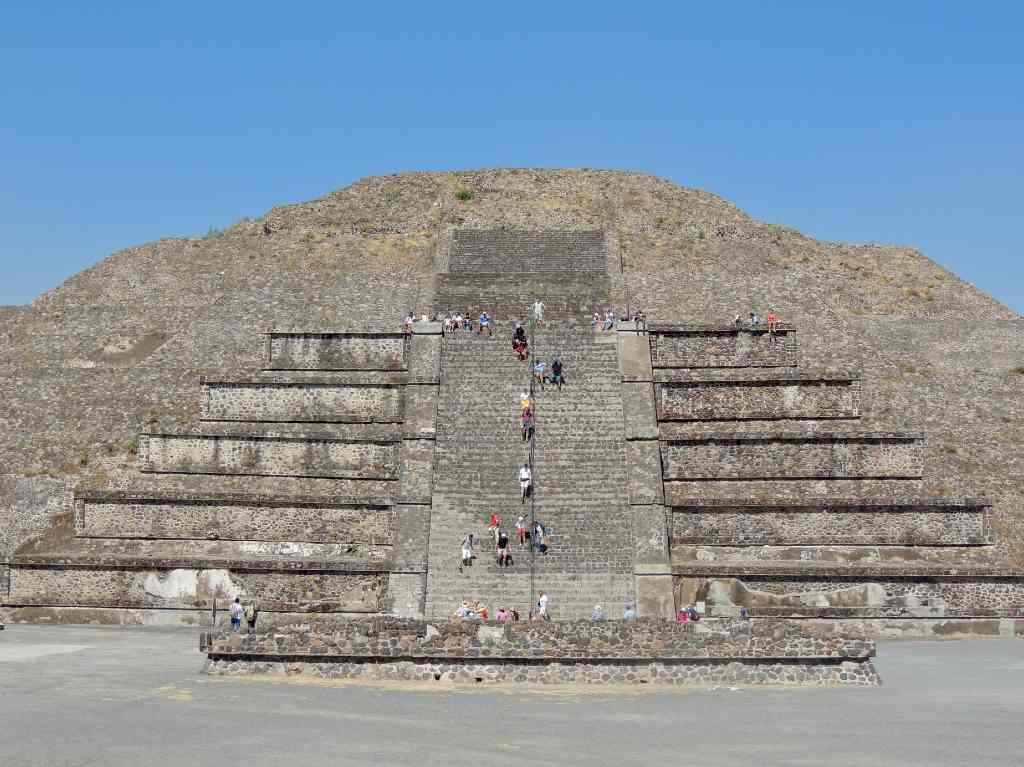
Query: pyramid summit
x,y
247,414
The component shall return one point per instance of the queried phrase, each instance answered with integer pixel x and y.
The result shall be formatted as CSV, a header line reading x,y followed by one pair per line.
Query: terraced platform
x,y
336,476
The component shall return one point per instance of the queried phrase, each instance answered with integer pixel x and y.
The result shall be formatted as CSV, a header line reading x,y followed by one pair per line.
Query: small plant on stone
x,y
1019,370
464,195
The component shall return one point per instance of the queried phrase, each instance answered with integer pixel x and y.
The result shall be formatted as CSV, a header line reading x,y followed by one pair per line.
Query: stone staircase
x,y
571,296
580,476
479,452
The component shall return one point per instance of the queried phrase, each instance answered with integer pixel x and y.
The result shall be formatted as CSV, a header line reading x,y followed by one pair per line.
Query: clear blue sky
x,y
878,122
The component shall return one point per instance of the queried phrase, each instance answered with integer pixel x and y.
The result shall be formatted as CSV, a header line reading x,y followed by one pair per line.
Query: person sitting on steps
x,y
485,324
773,320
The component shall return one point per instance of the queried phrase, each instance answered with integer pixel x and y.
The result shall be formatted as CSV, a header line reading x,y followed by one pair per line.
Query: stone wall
x,y
194,588
830,524
700,674
576,651
760,456
880,596
722,347
294,456
336,351
232,519
300,401
741,400
27,508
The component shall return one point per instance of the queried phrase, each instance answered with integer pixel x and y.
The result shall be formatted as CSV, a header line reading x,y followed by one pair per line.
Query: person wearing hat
x,y
597,614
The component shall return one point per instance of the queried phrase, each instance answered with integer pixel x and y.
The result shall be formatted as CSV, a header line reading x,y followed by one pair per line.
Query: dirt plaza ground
x,y
73,696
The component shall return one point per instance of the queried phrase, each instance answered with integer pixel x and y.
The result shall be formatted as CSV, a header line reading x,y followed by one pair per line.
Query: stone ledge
x,y
825,503
381,378
752,375
783,436
252,499
699,328
844,571
57,561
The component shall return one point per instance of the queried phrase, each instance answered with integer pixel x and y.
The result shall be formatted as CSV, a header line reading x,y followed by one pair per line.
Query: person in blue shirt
x,y
485,324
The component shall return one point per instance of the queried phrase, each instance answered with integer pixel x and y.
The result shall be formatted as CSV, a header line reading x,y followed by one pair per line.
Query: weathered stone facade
x,y
758,456
294,456
300,401
182,588
336,351
759,399
829,523
243,519
722,347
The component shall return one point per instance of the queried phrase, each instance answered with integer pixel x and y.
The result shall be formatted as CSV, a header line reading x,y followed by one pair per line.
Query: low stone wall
x,y
300,402
747,400
722,347
575,651
299,456
760,456
183,588
112,516
336,351
698,673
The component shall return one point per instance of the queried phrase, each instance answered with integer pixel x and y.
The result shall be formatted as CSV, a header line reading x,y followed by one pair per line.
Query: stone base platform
x,y
573,652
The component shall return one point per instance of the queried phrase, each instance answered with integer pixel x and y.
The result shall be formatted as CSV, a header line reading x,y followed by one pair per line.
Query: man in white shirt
x,y
542,607
525,479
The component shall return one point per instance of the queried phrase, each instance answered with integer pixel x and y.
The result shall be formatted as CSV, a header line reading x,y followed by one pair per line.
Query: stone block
x,y
638,413
643,472
406,594
425,359
635,357
416,470
651,537
654,596
420,411
426,329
